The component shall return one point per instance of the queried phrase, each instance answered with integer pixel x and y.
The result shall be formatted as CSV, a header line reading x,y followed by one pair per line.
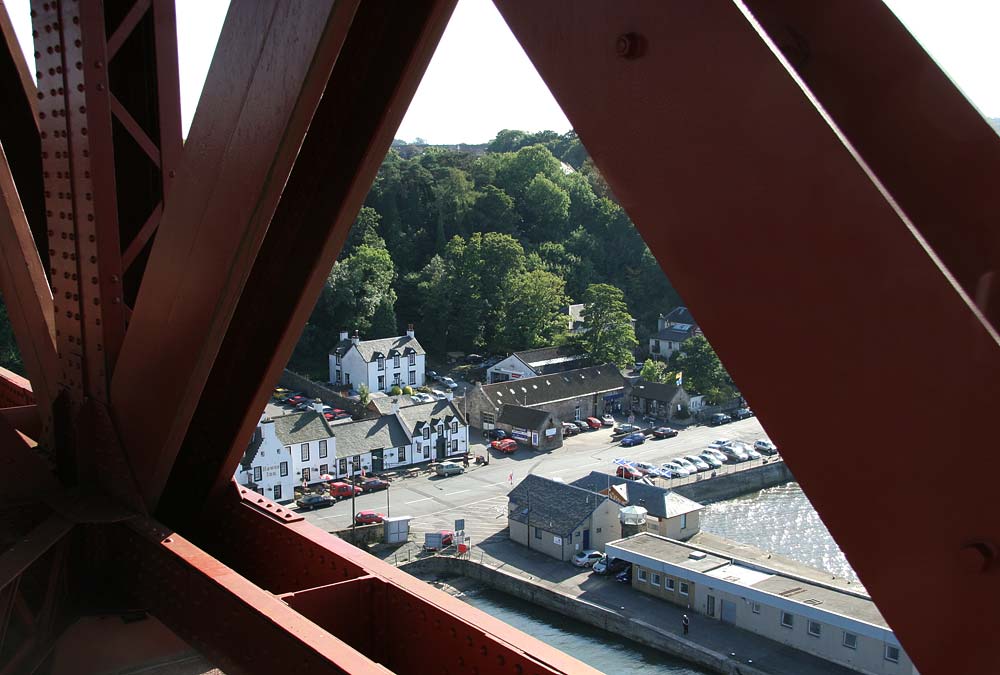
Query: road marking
x,y
425,499
577,467
457,492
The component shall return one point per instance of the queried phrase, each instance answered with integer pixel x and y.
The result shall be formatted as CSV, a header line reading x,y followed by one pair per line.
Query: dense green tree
x,y
358,286
493,211
533,317
608,335
545,210
702,370
654,371
516,171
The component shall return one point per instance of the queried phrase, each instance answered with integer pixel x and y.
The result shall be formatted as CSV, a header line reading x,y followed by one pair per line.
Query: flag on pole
x,y
511,478
680,378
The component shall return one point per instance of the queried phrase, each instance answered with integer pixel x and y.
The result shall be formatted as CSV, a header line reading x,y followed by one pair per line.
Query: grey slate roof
x,y
521,417
675,334
301,427
556,387
657,501
551,505
658,391
680,315
357,438
416,415
368,348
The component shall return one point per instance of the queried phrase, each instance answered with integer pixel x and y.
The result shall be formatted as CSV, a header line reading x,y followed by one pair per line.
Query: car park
x,y
587,558
710,459
310,502
718,419
765,447
633,439
664,432
496,434
629,472
626,428
607,420
368,517
742,413
715,452
504,445
448,469
676,469
697,461
593,423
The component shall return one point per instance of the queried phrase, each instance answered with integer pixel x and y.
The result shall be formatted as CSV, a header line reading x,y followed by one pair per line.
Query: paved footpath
x,y
740,645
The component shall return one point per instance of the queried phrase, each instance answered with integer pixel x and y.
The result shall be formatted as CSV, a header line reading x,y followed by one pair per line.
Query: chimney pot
x,y
409,330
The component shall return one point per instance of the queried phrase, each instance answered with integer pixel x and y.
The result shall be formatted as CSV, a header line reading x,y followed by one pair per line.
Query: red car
x,y
593,423
343,490
505,445
629,472
368,517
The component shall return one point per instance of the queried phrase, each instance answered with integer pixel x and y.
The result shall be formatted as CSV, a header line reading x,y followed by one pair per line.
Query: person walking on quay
x,y
685,622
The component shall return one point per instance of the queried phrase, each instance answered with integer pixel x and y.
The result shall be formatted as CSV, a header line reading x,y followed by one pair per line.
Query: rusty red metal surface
x,y
763,216
172,283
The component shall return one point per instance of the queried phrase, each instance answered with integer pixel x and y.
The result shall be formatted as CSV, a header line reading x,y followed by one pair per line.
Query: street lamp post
x,y
386,501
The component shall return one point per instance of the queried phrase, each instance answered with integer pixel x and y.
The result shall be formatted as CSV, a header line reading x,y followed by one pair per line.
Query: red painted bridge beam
x,y
933,152
761,215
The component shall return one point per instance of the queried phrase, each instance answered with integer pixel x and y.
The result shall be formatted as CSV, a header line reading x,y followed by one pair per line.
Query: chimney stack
x,y
450,395
318,406
343,335
409,330
395,406
356,339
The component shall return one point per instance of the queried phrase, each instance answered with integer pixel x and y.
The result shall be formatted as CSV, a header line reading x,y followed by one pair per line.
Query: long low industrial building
x,y
837,624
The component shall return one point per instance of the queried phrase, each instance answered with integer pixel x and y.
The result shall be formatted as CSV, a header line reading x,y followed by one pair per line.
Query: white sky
x,y
480,81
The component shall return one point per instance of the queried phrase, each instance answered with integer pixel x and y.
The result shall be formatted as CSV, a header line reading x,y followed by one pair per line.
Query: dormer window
x,y
454,427
427,433
381,363
338,358
413,358
395,360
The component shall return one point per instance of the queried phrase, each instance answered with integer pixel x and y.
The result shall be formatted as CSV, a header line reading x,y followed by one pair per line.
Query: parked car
x,y
368,517
645,467
692,469
374,485
633,439
447,381
448,469
438,395
631,473
422,397
710,459
753,454
698,462
765,447
625,576
607,420
626,428
581,425
734,452
474,358
594,423
341,490
570,429
678,470
609,566
496,434
719,442
664,432
280,394
587,558
431,375
310,502
719,419
742,413
505,445
715,452
434,541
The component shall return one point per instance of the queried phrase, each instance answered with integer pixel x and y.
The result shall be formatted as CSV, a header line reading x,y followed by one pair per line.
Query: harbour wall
x,y
581,610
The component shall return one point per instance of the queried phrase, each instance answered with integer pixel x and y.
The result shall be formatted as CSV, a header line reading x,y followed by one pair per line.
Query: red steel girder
x,y
762,216
269,70
378,70
932,151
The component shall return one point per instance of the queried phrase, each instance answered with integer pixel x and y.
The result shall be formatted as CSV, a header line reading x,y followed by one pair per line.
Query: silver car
x,y
676,469
687,464
698,462
711,460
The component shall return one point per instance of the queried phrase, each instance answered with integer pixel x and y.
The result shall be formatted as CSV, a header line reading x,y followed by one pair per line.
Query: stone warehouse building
x,y
572,395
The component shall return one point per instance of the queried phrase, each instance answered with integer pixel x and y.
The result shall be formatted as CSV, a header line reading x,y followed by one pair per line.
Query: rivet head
x,y
630,45
977,557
